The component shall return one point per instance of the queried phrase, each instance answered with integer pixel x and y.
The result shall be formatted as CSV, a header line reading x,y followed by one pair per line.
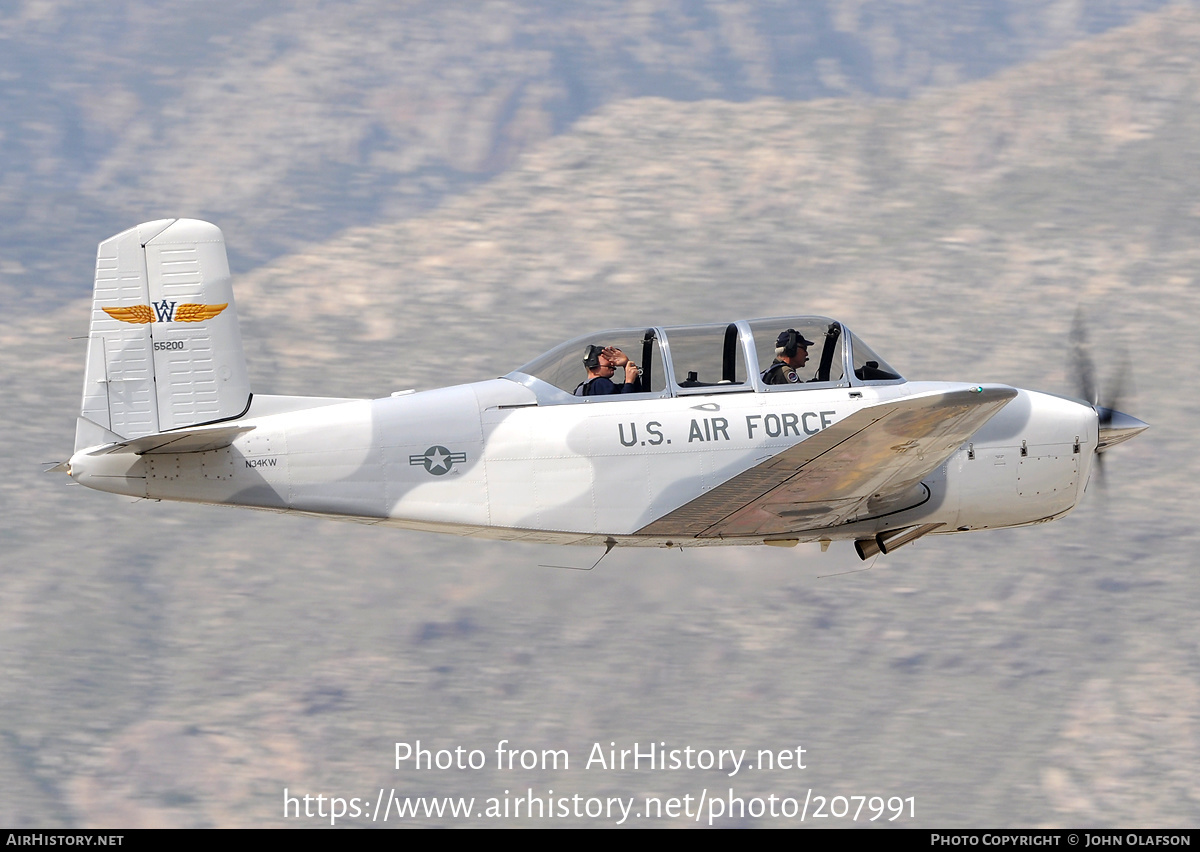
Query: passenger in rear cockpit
x,y
601,363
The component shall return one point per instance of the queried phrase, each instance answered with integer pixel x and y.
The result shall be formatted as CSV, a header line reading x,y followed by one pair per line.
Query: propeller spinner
x,y
1114,425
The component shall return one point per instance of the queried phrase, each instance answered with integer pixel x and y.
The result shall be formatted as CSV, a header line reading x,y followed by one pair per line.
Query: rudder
x,y
164,348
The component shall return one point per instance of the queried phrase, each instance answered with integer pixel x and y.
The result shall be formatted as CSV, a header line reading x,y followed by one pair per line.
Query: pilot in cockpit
x,y
602,363
791,353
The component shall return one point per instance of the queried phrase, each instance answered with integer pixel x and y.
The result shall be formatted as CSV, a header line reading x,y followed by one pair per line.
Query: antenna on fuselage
x,y
609,544
855,571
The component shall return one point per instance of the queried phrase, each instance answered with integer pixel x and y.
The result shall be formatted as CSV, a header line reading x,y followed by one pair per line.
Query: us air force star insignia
x,y
438,460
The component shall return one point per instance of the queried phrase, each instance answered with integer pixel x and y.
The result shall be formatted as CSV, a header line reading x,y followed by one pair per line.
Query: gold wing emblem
x,y
198,313
184,313
137,314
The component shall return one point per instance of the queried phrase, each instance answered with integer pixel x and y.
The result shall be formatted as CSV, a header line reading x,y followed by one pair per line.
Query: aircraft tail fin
x,y
164,349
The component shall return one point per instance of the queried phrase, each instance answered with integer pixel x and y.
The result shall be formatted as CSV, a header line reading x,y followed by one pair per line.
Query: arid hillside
x,y
290,122
176,665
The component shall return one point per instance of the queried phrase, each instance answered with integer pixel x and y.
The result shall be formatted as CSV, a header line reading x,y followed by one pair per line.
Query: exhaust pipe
x,y
886,542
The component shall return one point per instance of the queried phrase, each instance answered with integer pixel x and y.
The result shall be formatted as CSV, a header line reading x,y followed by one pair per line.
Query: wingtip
x,y
995,392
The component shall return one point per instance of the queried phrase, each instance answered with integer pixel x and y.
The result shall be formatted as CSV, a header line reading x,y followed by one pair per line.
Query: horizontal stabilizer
x,y
199,440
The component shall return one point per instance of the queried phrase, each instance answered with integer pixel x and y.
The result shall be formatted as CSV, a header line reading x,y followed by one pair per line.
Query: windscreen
x,y
868,366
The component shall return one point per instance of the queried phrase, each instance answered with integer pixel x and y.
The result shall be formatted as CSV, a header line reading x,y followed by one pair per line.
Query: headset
x,y
789,341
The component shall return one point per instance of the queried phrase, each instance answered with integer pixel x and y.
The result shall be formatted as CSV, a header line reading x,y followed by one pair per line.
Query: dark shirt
x,y
780,373
601,386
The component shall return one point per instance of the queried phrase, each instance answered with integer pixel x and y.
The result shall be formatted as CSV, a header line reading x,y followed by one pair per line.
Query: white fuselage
x,y
485,459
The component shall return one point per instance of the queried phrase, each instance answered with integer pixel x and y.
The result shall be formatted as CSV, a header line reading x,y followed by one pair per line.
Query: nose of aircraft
x,y
1116,426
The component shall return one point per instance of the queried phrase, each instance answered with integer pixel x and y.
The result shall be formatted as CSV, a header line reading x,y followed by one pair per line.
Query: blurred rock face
x,y
181,665
290,122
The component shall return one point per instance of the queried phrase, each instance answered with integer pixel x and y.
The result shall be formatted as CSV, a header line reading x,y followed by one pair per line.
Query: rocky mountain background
x,y
430,193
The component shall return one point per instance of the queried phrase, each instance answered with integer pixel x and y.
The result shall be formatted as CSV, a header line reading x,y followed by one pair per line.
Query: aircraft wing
x,y
867,464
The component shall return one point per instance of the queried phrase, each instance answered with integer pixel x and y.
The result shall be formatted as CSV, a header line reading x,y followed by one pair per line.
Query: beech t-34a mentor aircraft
x,y
699,449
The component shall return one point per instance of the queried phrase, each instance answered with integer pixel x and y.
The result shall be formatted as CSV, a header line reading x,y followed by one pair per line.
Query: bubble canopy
x,y
710,359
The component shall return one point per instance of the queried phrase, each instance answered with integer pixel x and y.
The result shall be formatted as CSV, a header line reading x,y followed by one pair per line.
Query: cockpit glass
x,y
708,359
707,356
563,365
869,367
822,355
